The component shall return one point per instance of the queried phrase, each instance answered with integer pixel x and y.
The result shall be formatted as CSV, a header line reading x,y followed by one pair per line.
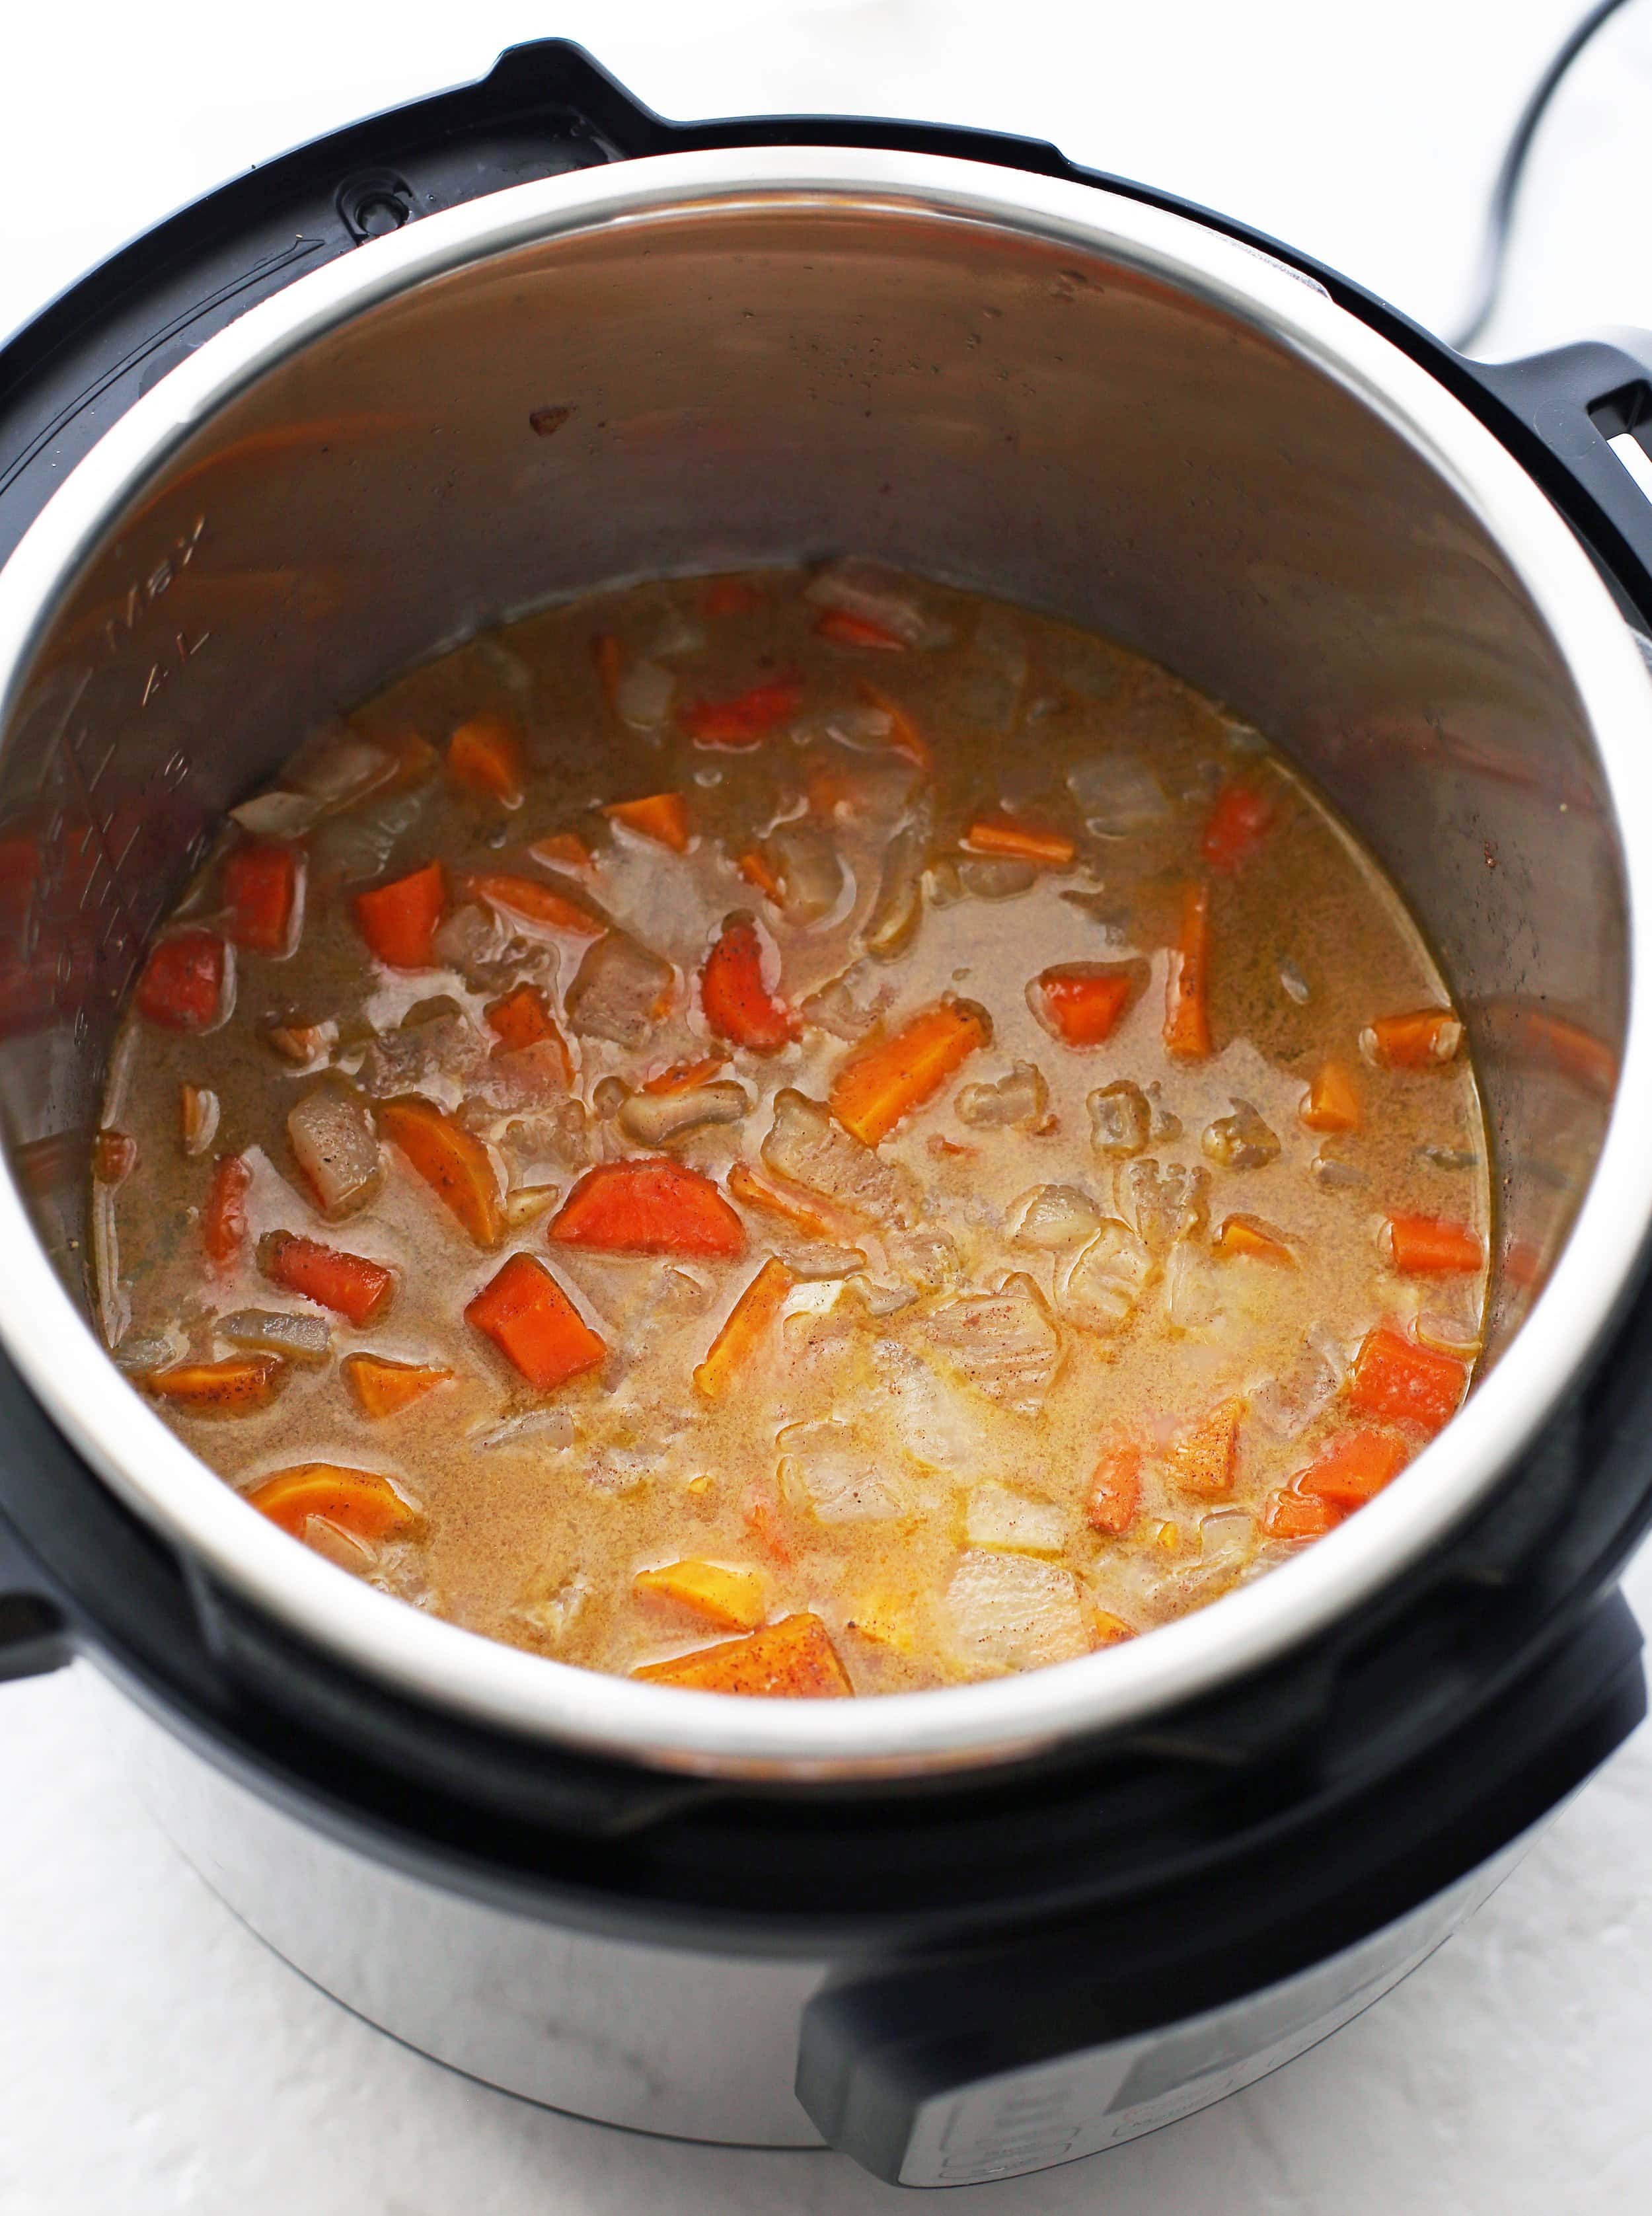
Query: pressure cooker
x,y
506,344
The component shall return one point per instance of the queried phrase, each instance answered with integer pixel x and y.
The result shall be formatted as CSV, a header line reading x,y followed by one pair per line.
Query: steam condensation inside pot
x,y
794,1133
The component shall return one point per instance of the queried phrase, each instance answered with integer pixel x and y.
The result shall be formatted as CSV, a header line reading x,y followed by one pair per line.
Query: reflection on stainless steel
x,y
1023,387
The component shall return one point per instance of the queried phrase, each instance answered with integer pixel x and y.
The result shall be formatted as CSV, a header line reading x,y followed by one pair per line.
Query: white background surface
x,y
153,2058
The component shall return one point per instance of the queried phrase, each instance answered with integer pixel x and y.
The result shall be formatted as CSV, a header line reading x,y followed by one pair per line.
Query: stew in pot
x,y
794,1133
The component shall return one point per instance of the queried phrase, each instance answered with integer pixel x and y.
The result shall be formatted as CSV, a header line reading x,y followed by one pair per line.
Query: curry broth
x,y
968,1442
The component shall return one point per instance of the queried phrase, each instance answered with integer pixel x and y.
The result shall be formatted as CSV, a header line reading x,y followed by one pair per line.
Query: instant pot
x,y
524,339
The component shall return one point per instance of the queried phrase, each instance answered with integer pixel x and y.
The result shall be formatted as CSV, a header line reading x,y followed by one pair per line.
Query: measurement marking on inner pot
x,y
897,1332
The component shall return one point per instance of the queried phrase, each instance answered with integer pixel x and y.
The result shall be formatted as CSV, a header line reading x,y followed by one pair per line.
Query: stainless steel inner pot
x,y
1028,387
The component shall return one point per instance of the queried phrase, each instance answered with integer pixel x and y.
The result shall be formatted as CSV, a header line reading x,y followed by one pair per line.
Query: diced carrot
x,y
365,1506
651,1206
905,737
534,1325
224,1219
525,901
1248,1235
1204,1458
1081,1002
729,596
746,719
844,629
399,920
1186,981
791,1208
451,1162
1409,1384
485,754
738,1005
1557,1042
1115,1489
608,656
349,1283
684,1076
1022,842
763,1516
754,867
1424,1038
382,1387
520,1018
114,1157
875,1088
182,986
662,817
746,1325
562,850
1286,1515
1353,1468
793,1660
1237,827
231,1388
733,1600
1331,1103
260,891
1430,1246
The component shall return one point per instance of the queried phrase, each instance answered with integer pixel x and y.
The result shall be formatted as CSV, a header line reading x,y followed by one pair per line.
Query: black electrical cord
x,y
1493,250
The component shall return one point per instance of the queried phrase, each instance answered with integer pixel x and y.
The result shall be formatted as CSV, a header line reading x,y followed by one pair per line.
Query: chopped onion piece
x,y
829,1472
863,589
620,992
336,1147
277,814
643,696
269,1331
1006,1521
1050,1217
335,766
1102,1287
810,1148
1117,793
1011,1612
1002,1343
198,1117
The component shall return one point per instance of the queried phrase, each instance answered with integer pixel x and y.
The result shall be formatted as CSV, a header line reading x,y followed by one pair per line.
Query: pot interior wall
x,y
782,378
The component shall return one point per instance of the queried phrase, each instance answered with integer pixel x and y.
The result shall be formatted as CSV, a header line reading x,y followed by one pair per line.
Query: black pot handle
x,y
1563,410
33,1630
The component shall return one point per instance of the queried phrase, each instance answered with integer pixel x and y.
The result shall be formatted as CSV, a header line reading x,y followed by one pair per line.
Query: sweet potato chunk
x,y
357,1501
380,1387
793,1660
233,1387
747,1324
732,1600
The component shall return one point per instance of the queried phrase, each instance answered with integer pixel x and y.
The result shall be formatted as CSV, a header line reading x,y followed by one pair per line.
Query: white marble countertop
x,y
154,2059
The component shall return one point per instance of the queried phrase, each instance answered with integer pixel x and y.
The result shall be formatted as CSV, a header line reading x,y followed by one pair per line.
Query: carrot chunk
x,y
1204,1459
1286,1515
608,653
453,1164
649,1206
224,1219
754,866
738,1005
733,1600
748,1323
793,1660
367,1506
730,596
1186,981
1237,827
1430,1246
525,902
844,629
905,737
114,1157
791,1208
485,755
1331,1103
1248,1235
1353,1468
260,891
1408,1383
1424,1038
662,817
684,1076
1022,842
182,986
874,1089
233,1387
1081,1002
562,850
746,719
399,920
349,1284
536,1326
1115,1489
380,1387
520,1019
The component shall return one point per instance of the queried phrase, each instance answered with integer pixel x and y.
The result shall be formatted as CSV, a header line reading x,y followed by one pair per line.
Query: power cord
x,y
1493,250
